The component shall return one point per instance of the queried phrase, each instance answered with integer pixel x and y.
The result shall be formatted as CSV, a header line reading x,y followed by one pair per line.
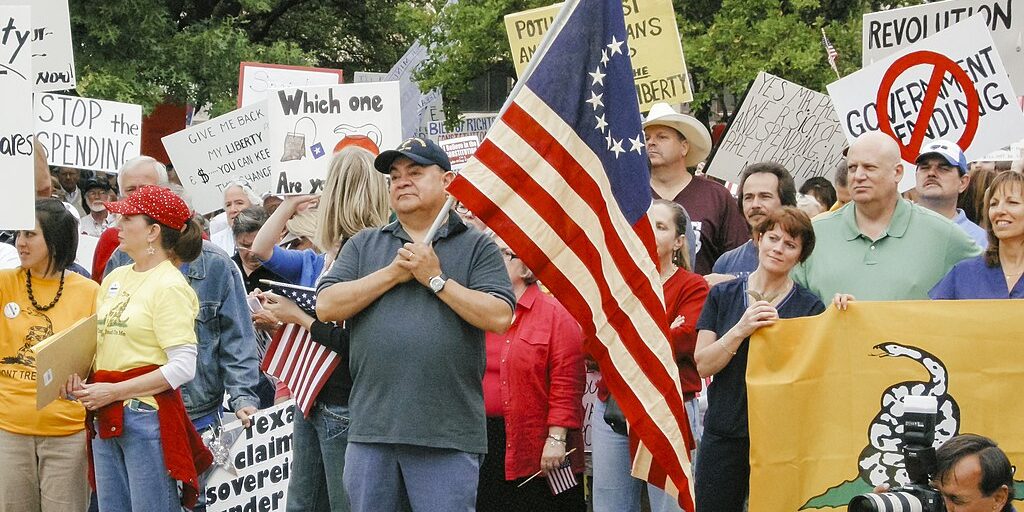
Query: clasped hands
x,y
415,261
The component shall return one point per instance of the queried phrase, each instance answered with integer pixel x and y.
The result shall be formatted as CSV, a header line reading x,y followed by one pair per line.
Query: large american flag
x,y
293,357
562,177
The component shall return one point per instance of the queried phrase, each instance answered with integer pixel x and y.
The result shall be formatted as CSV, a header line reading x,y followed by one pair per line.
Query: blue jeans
x,y
615,490
318,448
382,476
130,469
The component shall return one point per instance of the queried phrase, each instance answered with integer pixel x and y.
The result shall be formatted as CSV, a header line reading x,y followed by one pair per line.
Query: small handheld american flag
x,y
562,479
293,357
833,55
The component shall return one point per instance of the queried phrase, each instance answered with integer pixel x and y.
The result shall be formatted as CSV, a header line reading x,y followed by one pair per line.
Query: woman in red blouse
x,y
533,392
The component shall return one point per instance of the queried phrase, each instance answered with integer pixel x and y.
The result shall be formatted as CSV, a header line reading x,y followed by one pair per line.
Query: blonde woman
x,y
355,197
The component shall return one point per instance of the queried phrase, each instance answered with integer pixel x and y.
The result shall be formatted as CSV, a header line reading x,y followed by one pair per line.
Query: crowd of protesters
x,y
450,347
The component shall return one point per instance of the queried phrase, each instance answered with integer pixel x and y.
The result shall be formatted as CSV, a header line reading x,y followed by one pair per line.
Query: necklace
x,y
756,295
32,298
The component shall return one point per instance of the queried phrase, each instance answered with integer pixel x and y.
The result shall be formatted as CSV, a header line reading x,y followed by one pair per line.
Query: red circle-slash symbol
x,y
942,66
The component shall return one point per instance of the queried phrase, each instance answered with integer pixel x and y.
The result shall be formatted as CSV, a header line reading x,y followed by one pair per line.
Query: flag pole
x,y
441,217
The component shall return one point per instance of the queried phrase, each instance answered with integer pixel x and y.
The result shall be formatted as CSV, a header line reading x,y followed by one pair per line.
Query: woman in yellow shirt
x,y
43,451
142,441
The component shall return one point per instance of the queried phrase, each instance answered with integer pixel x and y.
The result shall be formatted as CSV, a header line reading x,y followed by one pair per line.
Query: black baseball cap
x,y
420,150
93,183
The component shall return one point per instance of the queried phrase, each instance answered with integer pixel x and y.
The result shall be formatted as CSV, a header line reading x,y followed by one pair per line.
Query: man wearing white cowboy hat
x,y
674,142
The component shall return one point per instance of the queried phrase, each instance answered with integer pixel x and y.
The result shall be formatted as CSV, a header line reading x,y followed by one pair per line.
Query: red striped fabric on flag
x,y
562,178
562,479
301,363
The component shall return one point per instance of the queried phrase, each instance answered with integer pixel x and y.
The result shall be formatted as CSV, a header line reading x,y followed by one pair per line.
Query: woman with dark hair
x,y
996,274
733,312
142,440
43,451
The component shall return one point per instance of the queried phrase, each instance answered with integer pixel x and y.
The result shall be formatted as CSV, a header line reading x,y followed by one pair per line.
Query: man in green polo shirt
x,y
880,246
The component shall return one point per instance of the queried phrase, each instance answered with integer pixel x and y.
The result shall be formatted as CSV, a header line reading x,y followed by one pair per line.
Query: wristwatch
x,y
437,283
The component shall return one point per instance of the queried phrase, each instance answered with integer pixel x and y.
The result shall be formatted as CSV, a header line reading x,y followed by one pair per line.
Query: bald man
x,y
880,246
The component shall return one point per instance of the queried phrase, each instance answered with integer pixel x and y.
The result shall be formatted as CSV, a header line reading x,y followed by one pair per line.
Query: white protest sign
x,y
459,150
954,79
308,125
256,80
362,77
53,58
262,458
782,122
469,124
87,134
16,161
886,32
414,102
227,148
589,396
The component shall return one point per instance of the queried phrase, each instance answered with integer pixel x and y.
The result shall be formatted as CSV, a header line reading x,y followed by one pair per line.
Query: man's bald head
x,y
874,168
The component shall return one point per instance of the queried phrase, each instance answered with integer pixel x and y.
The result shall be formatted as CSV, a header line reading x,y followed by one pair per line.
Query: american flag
x,y
562,479
833,55
562,177
293,357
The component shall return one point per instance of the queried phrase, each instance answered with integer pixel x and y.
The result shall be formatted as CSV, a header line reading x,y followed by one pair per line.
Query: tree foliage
x,y
188,51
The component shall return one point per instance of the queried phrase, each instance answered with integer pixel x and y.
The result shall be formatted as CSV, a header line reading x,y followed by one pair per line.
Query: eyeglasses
x,y
508,254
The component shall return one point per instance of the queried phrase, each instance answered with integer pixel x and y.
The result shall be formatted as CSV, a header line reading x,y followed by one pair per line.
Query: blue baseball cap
x,y
949,152
420,150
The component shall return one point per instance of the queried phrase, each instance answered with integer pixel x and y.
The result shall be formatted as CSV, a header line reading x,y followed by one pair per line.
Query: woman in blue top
x,y
996,274
354,196
734,310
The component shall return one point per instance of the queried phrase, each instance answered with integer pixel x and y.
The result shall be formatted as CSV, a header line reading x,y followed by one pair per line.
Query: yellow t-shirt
x,y
140,314
22,327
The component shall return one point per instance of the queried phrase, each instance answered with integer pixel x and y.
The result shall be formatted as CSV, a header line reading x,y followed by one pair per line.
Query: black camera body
x,y
919,460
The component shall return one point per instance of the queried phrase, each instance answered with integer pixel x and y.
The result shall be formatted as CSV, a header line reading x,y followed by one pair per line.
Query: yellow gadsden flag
x,y
825,394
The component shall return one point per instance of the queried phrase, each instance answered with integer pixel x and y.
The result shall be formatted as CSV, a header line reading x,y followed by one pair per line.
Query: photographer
x,y
973,475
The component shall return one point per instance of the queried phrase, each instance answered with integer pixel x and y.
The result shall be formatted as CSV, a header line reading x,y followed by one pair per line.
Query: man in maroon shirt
x,y
674,143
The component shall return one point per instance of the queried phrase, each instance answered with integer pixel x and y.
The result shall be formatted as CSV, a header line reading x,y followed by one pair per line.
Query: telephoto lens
x,y
895,502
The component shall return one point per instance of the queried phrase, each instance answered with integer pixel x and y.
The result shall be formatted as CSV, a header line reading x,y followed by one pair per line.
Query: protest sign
x,y
460,150
262,458
53,58
950,86
257,80
16,160
589,396
782,122
87,134
659,68
886,32
227,148
414,102
308,125
362,77
469,124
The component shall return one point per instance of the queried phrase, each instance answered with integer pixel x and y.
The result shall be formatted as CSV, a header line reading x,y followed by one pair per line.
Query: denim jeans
x,y
318,448
615,490
130,469
397,477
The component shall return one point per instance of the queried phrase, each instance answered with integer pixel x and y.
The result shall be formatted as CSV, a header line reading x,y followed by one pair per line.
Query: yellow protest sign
x,y
825,393
659,68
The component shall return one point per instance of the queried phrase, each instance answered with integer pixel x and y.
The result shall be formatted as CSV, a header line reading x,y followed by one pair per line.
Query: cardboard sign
x,y
782,122
887,32
589,396
256,80
87,134
659,68
954,79
261,457
308,125
53,57
16,160
414,103
227,148
460,150
69,352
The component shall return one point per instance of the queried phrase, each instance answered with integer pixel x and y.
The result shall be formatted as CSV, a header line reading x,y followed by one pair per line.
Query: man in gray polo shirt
x,y
417,313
